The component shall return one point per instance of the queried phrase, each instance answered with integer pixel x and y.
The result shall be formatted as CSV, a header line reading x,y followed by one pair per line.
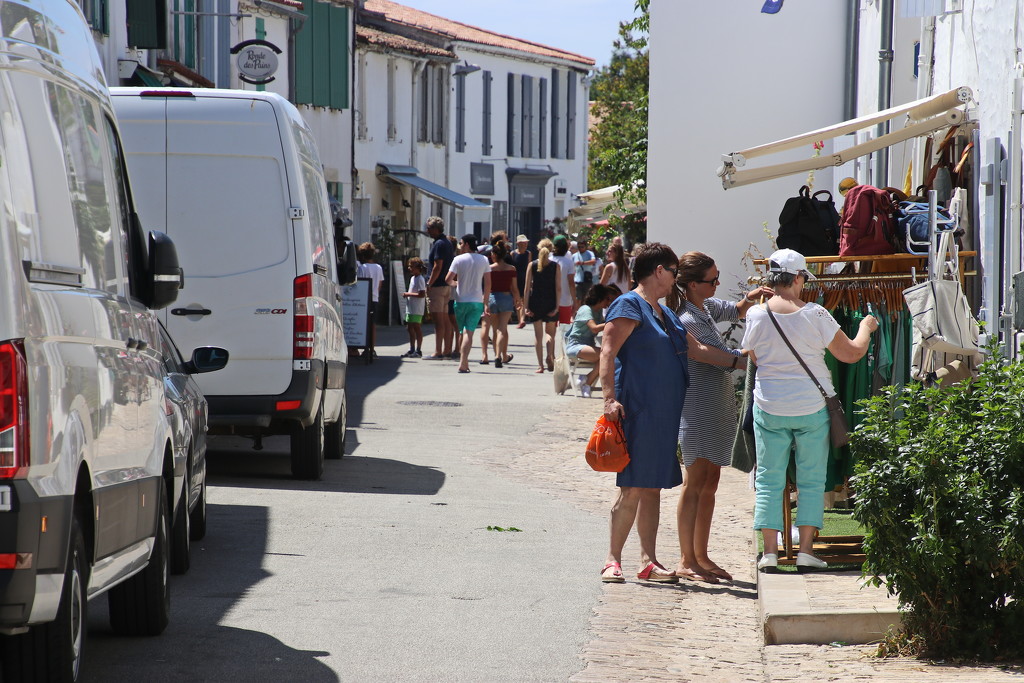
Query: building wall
x,y
725,77
571,175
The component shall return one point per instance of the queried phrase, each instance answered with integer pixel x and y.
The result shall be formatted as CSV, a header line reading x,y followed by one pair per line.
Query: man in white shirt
x,y
584,267
568,304
471,274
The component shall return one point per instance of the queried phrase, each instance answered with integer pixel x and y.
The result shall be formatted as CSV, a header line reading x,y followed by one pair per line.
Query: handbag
x,y
839,428
606,449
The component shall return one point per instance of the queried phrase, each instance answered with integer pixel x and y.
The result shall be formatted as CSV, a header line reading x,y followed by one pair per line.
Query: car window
x,y
172,359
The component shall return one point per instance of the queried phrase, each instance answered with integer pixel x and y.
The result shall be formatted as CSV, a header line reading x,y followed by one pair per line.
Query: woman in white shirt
x,y
788,408
616,271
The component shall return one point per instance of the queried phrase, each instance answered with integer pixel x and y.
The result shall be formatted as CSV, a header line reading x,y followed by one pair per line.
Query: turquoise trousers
x,y
775,436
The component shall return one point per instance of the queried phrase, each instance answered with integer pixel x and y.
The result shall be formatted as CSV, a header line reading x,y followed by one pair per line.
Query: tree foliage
x,y
618,146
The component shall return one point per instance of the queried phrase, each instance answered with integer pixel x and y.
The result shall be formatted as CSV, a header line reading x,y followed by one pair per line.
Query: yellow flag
x,y
909,180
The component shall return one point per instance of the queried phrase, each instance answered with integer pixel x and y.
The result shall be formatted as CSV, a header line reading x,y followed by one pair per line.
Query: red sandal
x,y
647,574
616,575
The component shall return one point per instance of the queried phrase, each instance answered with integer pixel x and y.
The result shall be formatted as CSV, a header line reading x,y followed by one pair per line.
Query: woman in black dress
x,y
543,288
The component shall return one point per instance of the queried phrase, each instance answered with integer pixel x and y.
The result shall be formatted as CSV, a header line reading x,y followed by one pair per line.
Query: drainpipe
x,y
885,55
852,41
353,60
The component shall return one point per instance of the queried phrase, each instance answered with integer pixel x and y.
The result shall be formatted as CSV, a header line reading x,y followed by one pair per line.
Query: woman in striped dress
x,y
708,423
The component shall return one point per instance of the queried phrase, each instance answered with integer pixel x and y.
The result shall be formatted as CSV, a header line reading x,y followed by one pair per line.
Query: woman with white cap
x,y
788,408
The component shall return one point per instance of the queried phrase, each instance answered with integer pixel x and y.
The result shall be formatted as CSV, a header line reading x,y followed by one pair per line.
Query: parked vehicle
x,y
86,464
235,178
188,411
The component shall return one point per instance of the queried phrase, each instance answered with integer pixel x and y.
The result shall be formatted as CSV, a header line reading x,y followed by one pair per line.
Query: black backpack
x,y
809,225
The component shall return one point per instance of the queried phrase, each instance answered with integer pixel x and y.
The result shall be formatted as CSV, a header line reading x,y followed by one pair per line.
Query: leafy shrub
x,y
940,487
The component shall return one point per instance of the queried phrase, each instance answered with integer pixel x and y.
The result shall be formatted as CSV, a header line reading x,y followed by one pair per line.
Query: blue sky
x,y
586,27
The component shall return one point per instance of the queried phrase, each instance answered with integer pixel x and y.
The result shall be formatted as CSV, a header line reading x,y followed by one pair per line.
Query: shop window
x,y
95,12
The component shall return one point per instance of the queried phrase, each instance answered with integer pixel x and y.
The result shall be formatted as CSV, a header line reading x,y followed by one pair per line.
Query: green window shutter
x,y
147,23
304,59
338,67
321,54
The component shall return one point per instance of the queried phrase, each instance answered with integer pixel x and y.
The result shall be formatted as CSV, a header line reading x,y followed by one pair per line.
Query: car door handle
x,y
191,311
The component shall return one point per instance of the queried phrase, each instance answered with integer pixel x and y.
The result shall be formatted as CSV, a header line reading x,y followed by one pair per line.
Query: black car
x,y
186,406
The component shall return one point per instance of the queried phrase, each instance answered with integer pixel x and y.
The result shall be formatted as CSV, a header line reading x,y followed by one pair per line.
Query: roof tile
x,y
454,30
373,36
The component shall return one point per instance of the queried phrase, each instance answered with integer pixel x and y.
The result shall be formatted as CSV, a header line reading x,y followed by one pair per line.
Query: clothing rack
x,y
884,260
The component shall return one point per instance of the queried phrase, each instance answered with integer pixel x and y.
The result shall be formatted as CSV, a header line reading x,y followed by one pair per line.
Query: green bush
x,y
940,487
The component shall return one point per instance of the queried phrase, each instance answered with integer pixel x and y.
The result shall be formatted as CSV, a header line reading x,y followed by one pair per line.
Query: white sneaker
x,y
584,390
805,563
769,563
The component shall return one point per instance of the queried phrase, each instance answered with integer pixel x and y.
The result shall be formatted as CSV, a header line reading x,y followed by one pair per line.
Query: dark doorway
x,y
527,220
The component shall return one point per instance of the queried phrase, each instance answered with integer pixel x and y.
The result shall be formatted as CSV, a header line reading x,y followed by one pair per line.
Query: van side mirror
x,y
165,275
346,262
207,359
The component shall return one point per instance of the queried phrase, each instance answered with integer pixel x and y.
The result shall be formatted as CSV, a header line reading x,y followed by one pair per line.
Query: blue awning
x,y
408,175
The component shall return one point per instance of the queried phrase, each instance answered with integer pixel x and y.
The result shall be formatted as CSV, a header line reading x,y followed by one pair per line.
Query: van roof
x,y
198,93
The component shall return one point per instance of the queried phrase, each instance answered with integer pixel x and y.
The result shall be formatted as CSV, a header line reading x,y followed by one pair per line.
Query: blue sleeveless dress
x,y
651,379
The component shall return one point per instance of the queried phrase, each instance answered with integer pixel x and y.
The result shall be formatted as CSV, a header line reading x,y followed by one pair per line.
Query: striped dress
x,y
707,426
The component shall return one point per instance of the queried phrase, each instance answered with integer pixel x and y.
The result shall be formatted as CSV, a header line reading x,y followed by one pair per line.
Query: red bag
x,y
606,450
868,225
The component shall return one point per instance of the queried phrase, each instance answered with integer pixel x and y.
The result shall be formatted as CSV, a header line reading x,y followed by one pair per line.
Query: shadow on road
x,y
236,464
196,647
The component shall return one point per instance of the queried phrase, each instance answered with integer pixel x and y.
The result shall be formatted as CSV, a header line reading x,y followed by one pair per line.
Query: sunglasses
x,y
715,282
671,270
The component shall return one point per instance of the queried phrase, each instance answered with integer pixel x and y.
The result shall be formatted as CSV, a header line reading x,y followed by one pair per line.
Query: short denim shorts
x,y
501,302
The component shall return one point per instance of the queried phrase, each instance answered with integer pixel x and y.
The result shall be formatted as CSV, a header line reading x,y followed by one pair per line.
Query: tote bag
x,y
942,317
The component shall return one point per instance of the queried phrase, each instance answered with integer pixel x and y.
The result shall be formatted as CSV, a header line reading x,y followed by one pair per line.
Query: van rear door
x,y
225,169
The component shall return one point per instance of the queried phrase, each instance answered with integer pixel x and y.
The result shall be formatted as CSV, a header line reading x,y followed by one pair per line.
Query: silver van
x,y
87,474
235,178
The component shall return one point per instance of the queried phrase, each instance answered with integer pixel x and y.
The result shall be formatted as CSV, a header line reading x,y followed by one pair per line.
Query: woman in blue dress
x,y
644,378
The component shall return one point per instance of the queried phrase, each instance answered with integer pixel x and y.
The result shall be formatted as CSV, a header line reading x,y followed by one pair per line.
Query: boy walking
x,y
471,274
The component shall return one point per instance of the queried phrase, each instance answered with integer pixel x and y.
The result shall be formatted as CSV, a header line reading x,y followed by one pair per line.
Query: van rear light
x,y
14,454
304,325
288,405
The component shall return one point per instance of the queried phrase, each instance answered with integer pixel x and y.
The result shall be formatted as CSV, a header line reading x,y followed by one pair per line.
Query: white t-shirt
x,y
375,273
470,269
417,304
783,387
621,280
567,267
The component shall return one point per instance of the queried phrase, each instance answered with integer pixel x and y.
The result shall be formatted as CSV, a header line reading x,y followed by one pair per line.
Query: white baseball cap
x,y
789,261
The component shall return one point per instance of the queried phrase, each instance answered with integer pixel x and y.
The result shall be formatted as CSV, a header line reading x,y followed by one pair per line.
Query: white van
x,y
87,473
234,177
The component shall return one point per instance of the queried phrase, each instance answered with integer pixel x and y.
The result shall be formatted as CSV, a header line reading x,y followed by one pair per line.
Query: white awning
x,y
922,117
600,204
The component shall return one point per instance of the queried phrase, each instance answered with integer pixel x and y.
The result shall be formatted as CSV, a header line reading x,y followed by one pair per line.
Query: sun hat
x,y
846,184
522,238
789,261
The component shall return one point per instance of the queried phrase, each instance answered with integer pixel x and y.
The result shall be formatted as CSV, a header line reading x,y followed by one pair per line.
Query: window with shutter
x,y
513,132
95,12
570,116
486,146
557,137
321,56
527,116
460,113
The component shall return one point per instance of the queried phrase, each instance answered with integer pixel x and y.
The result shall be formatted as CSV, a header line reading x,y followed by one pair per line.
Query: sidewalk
x,y
692,631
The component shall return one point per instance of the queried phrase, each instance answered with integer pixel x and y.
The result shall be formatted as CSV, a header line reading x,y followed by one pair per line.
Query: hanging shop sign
x,y
256,61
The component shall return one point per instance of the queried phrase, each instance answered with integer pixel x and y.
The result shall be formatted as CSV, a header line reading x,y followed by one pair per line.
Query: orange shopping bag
x,y
606,450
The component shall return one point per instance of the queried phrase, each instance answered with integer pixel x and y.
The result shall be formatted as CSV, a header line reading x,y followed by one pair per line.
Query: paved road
x,y
385,569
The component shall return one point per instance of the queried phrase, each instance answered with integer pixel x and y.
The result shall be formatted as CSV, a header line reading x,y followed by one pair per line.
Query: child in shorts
x,y
416,299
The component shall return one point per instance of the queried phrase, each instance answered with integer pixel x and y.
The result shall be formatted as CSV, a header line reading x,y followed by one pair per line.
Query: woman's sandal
x,y
508,358
691,575
648,574
615,576
718,573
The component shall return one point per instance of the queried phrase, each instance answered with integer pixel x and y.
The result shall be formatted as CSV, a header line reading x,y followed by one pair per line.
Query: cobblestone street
x,y
692,631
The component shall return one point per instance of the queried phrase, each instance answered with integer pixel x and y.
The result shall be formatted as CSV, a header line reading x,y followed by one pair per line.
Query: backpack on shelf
x,y
809,225
868,224
912,226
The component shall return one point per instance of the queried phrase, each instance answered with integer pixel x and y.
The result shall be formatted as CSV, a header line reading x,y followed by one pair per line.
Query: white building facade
x,y
485,130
